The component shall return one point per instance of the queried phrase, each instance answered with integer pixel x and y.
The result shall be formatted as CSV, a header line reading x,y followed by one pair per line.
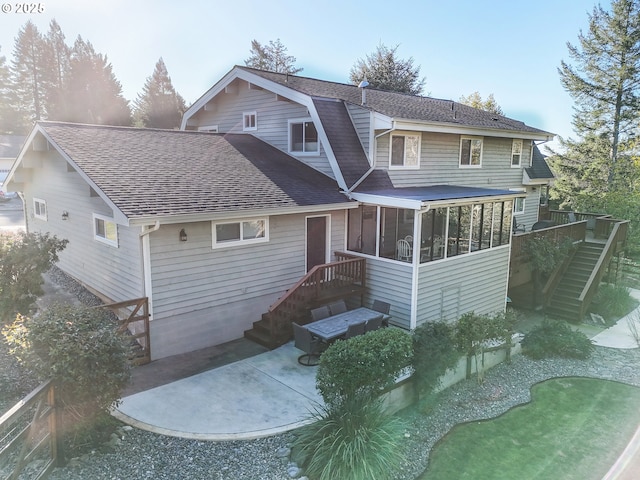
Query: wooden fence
x,y
30,444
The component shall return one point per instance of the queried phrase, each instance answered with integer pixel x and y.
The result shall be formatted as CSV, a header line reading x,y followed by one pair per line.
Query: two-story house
x,y
270,177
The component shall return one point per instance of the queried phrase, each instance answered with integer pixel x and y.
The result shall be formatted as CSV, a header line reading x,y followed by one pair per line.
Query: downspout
x,y
146,264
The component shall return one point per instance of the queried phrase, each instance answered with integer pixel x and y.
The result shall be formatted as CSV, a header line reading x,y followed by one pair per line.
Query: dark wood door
x,y
316,241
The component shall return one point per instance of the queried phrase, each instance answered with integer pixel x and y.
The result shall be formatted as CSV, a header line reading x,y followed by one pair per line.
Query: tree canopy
x,y
604,80
272,57
385,71
475,100
159,106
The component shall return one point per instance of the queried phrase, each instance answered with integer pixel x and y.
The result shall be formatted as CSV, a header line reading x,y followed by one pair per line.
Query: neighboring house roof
x,y
400,105
147,173
539,168
10,145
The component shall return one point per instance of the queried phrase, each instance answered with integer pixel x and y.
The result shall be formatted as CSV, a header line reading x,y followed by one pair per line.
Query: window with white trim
x,y
39,209
518,205
303,137
516,152
249,121
470,151
229,233
404,151
105,230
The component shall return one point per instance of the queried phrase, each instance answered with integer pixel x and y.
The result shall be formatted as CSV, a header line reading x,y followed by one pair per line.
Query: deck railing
x,y
133,316
321,281
575,231
30,435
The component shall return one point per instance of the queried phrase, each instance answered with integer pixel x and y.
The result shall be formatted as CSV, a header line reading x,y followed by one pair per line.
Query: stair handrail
x,y
309,276
618,234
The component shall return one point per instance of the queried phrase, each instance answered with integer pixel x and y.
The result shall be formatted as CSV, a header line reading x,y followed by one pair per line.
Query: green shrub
x,y
612,301
363,365
80,348
556,339
355,440
23,259
434,351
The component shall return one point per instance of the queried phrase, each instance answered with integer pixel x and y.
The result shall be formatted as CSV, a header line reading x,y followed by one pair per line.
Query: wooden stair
x,y
565,301
323,284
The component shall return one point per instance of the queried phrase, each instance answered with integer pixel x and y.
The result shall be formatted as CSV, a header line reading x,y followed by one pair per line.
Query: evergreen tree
x,y
475,100
604,81
93,94
58,56
159,106
385,71
28,77
272,57
6,113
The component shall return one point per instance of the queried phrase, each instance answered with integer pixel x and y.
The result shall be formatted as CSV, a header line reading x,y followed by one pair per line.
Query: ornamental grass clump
x,y
355,440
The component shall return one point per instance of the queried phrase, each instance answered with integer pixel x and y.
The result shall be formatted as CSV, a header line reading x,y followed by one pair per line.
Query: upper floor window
x,y
303,137
249,121
39,209
471,151
516,152
405,151
105,230
240,232
518,205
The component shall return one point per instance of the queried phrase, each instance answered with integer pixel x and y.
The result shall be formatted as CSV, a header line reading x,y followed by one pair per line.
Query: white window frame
x,y
471,139
404,165
298,121
516,150
241,240
38,206
208,128
104,239
249,125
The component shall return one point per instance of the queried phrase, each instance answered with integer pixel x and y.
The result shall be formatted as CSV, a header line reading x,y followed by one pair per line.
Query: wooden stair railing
x,y
615,244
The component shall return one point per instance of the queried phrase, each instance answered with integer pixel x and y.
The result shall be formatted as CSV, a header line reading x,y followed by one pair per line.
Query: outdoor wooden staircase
x,y
323,284
565,300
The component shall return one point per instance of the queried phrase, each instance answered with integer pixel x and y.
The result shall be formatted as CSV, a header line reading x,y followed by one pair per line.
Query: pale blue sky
x,y
511,48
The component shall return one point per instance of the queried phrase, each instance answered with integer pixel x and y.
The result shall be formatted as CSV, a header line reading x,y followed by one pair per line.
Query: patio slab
x,y
259,396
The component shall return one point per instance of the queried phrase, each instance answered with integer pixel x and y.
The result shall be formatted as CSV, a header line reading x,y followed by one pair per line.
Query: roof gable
x,y
150,173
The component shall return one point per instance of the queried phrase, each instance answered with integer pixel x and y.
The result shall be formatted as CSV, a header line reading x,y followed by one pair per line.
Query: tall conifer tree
x,y
604,80
159,106
6,113
58,61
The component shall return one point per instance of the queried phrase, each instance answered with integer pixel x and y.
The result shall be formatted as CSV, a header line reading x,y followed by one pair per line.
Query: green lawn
x,y
574,428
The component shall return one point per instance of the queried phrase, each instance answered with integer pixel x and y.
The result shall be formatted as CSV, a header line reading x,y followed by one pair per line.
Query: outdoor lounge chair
x,y
312,347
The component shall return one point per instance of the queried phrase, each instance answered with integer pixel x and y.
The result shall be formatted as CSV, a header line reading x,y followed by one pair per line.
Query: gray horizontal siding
x,y
473,282
114,272
204,296
439,163
531,207
390,282
361,118
272,120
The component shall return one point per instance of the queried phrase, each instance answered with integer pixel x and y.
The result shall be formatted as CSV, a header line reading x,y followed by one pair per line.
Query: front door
x,y
317,233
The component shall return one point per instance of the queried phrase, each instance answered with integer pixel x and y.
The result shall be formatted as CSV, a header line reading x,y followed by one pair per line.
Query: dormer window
x,y
516,152
249,121
303,137
405,151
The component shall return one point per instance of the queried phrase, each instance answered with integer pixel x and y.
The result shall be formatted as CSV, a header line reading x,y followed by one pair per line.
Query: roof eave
x,y
443,127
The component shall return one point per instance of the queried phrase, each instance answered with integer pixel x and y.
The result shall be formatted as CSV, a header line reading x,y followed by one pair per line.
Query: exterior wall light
x,y
183,235
65,215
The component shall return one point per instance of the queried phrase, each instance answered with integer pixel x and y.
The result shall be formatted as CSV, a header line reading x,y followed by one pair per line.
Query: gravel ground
x,y
136,454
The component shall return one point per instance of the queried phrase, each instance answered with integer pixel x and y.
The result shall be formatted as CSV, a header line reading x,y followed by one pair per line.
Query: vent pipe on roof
x,y
363,85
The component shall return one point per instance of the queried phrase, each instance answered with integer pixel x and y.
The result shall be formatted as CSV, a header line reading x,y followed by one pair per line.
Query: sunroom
x,y
418,225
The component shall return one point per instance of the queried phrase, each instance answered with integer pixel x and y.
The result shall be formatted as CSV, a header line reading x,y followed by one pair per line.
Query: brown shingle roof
x,y
399,105
147,172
